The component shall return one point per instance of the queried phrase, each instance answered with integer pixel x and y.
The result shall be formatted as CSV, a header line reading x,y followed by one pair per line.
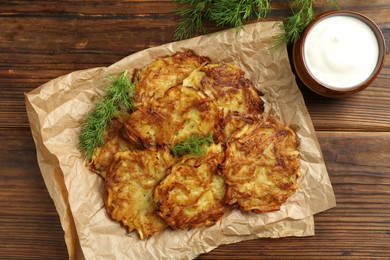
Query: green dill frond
x,y
262,8
302,15
194,144
192,14
120,93
94,125
235,12
334,3
296,23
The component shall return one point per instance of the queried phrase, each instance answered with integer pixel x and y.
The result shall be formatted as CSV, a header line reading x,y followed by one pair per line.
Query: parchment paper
x,y
57,109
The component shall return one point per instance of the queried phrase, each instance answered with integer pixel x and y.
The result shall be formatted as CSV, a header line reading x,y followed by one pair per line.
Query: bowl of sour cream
x,y
339,53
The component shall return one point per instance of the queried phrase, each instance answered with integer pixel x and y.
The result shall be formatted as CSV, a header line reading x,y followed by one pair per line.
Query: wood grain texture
x,y
29,223
41,40
358,227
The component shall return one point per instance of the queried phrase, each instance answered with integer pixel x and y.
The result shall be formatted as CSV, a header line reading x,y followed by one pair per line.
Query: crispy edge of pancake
x,y
165,72
228,84
235,95
129,188
192,194
261,166
183,111
114,141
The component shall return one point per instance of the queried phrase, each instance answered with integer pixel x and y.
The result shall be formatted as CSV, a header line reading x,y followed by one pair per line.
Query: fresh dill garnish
x,y
120,93
192,18
294,25
194,144
235,12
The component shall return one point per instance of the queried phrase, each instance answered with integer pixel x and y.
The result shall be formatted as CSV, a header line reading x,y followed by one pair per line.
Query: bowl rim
x,y
336,91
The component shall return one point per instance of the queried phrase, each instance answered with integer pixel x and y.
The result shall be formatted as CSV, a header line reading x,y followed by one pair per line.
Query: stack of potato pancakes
x,y
251,162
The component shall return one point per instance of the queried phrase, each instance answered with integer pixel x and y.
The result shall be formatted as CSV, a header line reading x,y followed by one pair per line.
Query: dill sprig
x,y
235,12
221,12
120,93
334,3
192,18
194,144
302,15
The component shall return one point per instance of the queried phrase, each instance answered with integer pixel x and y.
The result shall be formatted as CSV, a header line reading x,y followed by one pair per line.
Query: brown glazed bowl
x,y
321,88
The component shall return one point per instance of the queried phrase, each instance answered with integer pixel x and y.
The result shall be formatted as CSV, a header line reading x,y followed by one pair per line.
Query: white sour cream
x,y
341,51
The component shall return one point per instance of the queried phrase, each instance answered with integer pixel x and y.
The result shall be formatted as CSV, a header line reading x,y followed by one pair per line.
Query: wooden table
x,y
40,40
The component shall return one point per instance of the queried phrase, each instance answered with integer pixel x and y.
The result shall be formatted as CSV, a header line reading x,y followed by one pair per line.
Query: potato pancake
x,y
181,112
114,141
227,85
234,121
192,194
183,104
129,189
261,166
153,80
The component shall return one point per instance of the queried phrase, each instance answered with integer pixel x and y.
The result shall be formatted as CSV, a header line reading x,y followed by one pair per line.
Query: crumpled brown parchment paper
x,y
57,109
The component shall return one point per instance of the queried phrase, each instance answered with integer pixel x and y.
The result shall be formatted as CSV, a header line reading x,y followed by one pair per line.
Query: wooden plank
x,y
29,224
43,40
368,110
358,227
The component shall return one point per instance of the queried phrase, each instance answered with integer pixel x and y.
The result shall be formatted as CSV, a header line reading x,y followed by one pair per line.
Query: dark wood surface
x,y
41,40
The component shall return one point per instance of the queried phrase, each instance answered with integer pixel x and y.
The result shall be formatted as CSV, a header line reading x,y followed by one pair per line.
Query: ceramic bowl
x,y
303,72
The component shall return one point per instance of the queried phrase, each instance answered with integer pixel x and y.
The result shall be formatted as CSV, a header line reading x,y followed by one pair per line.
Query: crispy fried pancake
x,y
261,166
181,112
233,122
192,194
253,163
114,142
153,80
226,84
129,189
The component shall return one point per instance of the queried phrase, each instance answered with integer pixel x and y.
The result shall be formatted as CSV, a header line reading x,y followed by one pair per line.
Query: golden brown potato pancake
x,y
261,166
233,122
129,189
226,84
253,163
192,194
114,141
181,112
153,80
